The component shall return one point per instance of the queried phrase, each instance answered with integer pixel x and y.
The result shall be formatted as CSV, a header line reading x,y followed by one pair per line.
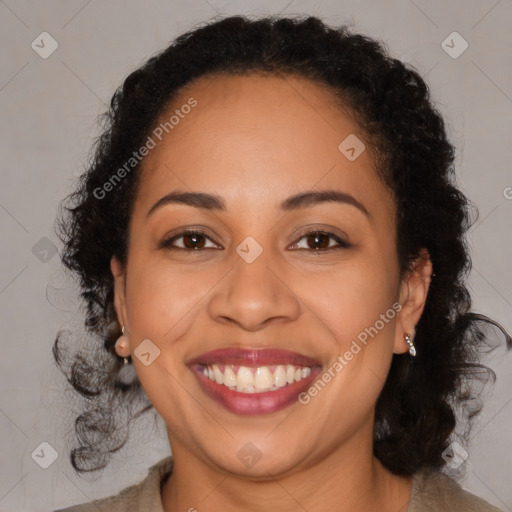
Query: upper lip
x,y
253,357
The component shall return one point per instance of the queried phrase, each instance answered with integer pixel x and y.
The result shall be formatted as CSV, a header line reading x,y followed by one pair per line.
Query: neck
x,y
341,481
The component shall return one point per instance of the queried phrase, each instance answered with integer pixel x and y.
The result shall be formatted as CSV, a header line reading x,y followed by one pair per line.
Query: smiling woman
x,y
297,234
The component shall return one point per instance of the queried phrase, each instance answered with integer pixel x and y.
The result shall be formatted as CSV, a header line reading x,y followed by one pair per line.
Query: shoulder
x,y
433,490
142,496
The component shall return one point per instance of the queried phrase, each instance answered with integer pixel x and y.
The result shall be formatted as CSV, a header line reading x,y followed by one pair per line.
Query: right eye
x,y
193,240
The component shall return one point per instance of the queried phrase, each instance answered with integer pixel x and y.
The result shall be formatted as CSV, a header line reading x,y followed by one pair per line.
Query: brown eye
x,y
318,241
192,241
321,241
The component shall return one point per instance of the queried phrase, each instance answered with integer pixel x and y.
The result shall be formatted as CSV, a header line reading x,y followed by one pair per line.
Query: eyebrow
x,y
206,201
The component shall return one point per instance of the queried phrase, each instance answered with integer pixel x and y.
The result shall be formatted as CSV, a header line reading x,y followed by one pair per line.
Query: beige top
x,y
431,491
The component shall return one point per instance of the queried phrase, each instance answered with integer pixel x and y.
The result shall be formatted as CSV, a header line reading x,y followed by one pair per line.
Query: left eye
x,y
322,240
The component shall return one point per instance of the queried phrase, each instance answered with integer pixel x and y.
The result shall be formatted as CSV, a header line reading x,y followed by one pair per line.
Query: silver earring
x,y
412,348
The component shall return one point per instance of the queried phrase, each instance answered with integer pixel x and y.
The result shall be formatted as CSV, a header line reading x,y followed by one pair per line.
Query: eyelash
x,y
167,244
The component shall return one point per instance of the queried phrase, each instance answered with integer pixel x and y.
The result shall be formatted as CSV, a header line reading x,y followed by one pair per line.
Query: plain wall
x,y
48,119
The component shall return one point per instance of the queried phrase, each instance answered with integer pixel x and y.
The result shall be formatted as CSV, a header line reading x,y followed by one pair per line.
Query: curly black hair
x,y
417,410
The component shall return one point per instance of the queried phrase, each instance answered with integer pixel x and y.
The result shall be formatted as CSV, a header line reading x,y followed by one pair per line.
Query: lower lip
x,y
264,402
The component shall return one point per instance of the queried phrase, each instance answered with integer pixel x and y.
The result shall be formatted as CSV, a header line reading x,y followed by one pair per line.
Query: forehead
x,y
265,135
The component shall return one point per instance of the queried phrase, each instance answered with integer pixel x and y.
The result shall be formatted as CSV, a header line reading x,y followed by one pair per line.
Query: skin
x,y
255,140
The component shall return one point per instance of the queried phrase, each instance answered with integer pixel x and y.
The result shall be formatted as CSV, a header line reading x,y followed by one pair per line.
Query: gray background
x,y
48,110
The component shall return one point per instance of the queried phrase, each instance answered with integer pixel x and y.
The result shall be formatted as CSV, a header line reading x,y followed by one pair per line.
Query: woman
x,y
270,235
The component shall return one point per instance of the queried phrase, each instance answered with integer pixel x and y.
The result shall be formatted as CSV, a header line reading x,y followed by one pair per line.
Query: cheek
x,y
162,305
163,299
358,305
353,302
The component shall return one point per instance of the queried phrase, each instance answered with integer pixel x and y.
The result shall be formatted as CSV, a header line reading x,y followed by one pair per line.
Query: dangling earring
x,y
121,345
412,348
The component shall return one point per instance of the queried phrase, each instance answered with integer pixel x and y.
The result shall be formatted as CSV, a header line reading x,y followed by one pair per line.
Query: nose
x,y
254,295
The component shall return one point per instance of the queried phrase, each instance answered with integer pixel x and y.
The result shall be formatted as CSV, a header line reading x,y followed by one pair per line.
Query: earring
x,y
121,345
412,348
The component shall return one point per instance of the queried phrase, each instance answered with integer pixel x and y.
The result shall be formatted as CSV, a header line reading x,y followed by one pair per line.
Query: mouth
x,y
254,381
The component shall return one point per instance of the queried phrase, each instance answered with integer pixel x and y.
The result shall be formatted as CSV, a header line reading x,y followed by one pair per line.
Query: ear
x,y
413,296
119,290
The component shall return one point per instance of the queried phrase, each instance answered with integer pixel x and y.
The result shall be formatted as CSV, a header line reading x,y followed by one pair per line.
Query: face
x,y
232,329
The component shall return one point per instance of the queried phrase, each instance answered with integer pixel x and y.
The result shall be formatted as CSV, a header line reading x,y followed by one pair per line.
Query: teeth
x,y
290,373
219,377
255,380
306,372
229,377
263,379
245,378
280,377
